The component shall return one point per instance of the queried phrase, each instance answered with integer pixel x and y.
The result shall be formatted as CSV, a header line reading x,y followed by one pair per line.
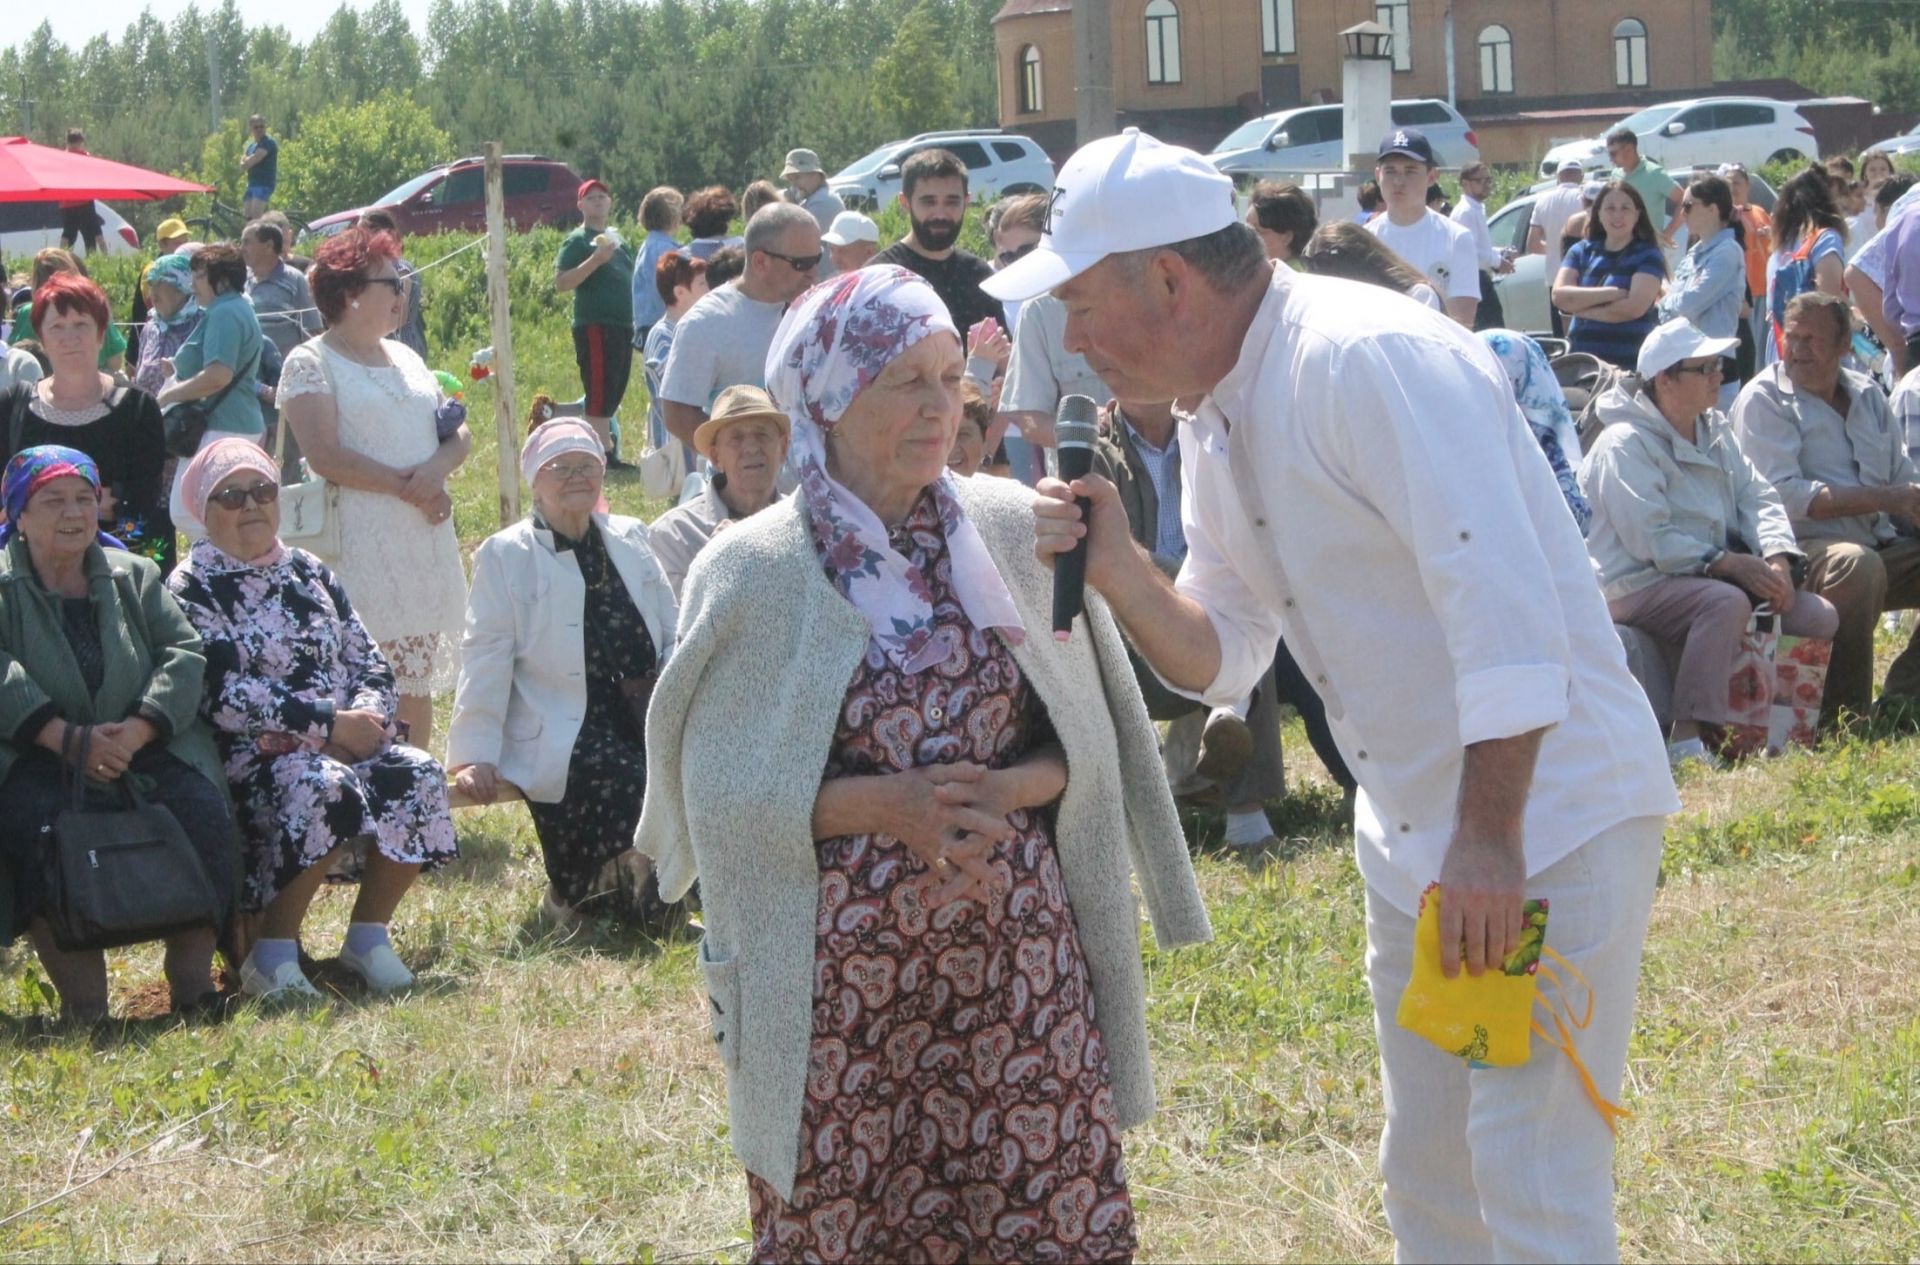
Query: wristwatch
x,y
1712,556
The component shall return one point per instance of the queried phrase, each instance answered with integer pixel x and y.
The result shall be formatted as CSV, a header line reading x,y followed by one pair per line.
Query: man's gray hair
x,y
1819,303
1232,258
771,221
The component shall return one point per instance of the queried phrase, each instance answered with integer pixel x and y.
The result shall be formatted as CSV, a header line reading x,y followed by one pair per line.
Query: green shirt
x,y
1651,181
228,334
606,296
115,344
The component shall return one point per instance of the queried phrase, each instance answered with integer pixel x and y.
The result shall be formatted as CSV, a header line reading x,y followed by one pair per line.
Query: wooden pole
x,y
506,425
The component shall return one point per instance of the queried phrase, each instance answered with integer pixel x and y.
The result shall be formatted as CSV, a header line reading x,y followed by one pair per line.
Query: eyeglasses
x,y
262,493
574,470
800,263
1015,255
1712,369
399,285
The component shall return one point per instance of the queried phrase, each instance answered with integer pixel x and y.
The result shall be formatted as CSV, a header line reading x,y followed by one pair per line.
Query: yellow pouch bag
x,y
1490,1020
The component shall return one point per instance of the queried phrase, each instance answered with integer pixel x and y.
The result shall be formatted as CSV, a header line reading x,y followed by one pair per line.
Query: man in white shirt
x,y
1439,249
1476,182
1358,478
1551,211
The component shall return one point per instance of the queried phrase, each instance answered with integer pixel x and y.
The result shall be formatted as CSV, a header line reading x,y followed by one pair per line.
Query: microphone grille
x,y
1077,408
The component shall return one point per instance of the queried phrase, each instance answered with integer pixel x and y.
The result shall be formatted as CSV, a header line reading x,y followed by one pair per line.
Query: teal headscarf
x,y
175,270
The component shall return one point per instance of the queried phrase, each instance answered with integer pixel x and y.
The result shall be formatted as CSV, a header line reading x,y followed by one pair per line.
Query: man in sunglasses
x,y
933,193
722,341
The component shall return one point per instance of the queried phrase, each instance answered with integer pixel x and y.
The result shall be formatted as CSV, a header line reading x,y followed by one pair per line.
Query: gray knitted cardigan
x,y
739,732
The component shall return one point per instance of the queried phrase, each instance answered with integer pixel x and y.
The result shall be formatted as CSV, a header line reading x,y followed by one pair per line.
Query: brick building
x,y
1524,70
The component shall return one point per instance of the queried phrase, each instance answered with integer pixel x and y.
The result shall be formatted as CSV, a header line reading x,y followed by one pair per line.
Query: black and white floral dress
x,y
285,652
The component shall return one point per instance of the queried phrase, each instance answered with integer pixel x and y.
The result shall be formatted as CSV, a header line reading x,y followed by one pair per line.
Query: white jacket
x,y
523,684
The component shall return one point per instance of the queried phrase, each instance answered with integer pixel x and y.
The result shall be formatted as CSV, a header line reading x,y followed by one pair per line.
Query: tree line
x,y
685,92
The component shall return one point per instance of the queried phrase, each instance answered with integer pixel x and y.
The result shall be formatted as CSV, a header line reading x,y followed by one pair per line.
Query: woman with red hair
x,y
366,412
76,405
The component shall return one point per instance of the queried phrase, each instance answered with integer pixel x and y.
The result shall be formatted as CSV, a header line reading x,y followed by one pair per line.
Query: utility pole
x,y
1452,69
213,78
1093,109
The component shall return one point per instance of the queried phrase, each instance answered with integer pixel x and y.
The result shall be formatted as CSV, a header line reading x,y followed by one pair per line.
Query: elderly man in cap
x,y
807,188
597,269
746,440
851,241
1440,250
1551,211
1359,478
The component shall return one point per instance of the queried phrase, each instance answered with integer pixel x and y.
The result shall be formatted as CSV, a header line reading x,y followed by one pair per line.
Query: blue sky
x,y
75,24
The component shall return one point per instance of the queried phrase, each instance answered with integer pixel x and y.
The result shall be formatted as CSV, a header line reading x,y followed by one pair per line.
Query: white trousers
x,y
1514,1163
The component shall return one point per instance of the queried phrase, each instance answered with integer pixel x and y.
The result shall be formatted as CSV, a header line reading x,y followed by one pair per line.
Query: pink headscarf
x,y
834,341
212,464
550,439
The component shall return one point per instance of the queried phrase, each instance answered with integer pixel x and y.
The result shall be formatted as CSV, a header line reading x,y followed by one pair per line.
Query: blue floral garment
x,y
284,653
1544,405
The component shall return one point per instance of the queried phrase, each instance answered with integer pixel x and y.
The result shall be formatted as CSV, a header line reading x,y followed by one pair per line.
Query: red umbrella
x,y
40,173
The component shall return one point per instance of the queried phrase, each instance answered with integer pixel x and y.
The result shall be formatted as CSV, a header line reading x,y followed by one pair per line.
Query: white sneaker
x,y
287,983
381,968
1692,750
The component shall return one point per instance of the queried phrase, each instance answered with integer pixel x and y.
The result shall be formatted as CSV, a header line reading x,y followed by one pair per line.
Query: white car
x,y
1523,292
999,164
27,227
1704,132
1905,143
1310,138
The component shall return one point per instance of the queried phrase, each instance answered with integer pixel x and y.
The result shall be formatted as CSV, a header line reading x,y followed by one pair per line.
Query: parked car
x,y
1523,292
453,196
1905,143
1705,132
1311,139
999,164
26,227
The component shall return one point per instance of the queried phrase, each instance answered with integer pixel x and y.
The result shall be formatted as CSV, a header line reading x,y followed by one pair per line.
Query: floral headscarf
x,y
834,341
1545,406
32,469
175,270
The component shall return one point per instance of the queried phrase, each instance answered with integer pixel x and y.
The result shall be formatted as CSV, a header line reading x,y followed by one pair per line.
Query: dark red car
x,y
453,197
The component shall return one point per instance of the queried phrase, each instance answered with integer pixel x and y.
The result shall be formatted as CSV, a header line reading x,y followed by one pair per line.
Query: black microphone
x,y
1075,428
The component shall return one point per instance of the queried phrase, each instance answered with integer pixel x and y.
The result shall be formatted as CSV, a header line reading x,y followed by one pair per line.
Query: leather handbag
x,y
185,424
309,509
124,875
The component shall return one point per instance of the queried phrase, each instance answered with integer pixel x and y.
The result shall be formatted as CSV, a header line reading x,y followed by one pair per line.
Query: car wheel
x,y
1788,156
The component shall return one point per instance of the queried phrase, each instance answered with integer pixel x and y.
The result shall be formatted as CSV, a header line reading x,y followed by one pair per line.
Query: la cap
x,y
1116,194
800,162
850,227
588,186
1407,142
1570,164
1679,339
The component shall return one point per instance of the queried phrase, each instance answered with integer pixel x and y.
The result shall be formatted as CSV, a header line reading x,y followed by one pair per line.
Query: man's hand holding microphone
x,y
1080,527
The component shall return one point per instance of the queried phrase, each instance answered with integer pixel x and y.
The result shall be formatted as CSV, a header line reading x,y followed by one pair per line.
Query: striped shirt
x,y
1616,342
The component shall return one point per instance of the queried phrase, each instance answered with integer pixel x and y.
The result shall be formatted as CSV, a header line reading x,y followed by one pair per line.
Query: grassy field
x,y
554,1099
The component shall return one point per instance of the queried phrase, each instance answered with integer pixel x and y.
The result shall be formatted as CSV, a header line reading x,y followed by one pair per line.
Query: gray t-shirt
x,y
1041,369
721,342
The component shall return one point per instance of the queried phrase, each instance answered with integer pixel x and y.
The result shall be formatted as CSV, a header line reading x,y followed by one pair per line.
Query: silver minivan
x,y
1310,139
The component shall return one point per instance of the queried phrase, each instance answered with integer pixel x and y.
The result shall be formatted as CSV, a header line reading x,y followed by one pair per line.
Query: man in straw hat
x,y
1360,479
807,187
746,440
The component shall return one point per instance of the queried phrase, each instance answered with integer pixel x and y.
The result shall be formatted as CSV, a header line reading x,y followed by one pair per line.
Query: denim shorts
x,y
261,192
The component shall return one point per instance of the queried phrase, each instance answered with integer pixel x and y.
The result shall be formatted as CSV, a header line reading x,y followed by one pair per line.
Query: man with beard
x,y
933,192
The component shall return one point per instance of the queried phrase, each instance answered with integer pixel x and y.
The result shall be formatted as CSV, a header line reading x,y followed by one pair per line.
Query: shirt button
x,y
1288,603
936,714
1405,828
1465,535
1321,679
1259,522
1361,754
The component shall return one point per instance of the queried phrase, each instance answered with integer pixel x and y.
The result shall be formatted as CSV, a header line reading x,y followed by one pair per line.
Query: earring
x,y
356,305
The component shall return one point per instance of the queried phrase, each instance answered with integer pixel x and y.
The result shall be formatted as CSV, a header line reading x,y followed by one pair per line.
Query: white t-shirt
x,y
1551,211
1439,249
721,342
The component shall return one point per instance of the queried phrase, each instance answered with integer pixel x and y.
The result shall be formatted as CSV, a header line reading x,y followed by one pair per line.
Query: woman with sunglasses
x,y
1710,283
365,411
303,708
570,620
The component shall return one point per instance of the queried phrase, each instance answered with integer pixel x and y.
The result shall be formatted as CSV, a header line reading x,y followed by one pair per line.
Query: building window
x,y
1031,101
1163,42
1630,53
1276,27
1397,16
1496,61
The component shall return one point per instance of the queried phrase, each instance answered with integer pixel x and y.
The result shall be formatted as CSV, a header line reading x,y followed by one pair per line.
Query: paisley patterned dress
x,y
958,1101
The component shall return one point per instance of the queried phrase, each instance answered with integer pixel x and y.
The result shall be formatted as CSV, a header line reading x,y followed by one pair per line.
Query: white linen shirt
x,y
1471,215
1363,482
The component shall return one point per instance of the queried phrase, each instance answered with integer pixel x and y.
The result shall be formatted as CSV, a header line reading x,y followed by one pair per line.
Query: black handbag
x,y
124,875
185,424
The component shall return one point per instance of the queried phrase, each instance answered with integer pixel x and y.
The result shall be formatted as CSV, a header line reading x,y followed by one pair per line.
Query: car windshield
x,y
407,190
1246,136
871,163
1648,120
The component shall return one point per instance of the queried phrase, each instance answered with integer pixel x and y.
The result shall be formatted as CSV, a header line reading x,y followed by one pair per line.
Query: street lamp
x,y
1368,42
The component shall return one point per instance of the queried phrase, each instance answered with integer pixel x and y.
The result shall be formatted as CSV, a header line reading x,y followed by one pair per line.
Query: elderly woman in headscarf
x,y
173,314
1544,405
915,828
302,703
569,618
90,641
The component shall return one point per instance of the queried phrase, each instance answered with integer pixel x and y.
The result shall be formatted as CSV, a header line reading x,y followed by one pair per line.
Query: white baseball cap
x,y
1119,193
1679,339
850,227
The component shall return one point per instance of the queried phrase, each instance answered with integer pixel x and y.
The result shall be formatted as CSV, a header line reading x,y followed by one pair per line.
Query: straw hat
x,y
738,404
800,162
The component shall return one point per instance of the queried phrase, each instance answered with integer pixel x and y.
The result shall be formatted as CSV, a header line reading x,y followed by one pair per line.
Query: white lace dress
x,y
403,573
